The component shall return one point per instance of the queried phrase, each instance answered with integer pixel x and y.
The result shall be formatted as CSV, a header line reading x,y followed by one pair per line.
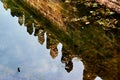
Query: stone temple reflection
x,y
98,48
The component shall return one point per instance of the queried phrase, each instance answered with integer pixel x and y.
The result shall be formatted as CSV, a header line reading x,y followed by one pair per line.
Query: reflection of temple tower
x,y
29,27
52,43
20,20
67,59
41,36
39,31
54,51
28,22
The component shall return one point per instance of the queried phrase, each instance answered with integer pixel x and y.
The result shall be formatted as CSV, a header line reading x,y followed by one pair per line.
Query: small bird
x,y
18,69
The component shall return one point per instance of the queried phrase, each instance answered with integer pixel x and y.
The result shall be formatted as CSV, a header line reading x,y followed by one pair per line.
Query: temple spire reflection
x,y
67,59
41,38
52,45
53,51
20,20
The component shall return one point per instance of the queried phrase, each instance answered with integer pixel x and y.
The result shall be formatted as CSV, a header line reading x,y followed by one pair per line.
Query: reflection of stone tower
x,y
41,36
52,43
29,27
20,20
54,51
67,59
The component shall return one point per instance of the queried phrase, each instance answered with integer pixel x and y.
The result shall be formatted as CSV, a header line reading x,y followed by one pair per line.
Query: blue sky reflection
x,y
19,49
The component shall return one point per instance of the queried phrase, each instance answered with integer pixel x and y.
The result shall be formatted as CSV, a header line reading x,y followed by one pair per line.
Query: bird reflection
x,y
18,69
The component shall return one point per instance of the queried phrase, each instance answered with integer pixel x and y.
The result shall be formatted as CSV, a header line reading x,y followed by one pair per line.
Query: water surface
x,y
19,49
43,50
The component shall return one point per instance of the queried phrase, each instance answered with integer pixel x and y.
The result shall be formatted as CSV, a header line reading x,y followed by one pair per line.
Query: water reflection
x,y
21,50
97,48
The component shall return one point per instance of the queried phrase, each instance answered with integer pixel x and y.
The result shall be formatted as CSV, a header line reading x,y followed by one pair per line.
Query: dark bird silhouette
x,y
18,69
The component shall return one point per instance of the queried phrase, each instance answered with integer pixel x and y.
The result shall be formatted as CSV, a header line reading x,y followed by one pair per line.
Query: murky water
x,y
19,49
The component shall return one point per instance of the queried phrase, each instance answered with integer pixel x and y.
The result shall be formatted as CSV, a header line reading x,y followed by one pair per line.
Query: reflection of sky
x,y
19,49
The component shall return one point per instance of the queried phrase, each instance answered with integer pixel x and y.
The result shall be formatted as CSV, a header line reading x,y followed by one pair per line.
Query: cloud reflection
x,y
19,49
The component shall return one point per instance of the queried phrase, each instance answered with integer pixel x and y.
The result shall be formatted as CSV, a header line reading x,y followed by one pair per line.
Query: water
x,y
31,48
19,49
